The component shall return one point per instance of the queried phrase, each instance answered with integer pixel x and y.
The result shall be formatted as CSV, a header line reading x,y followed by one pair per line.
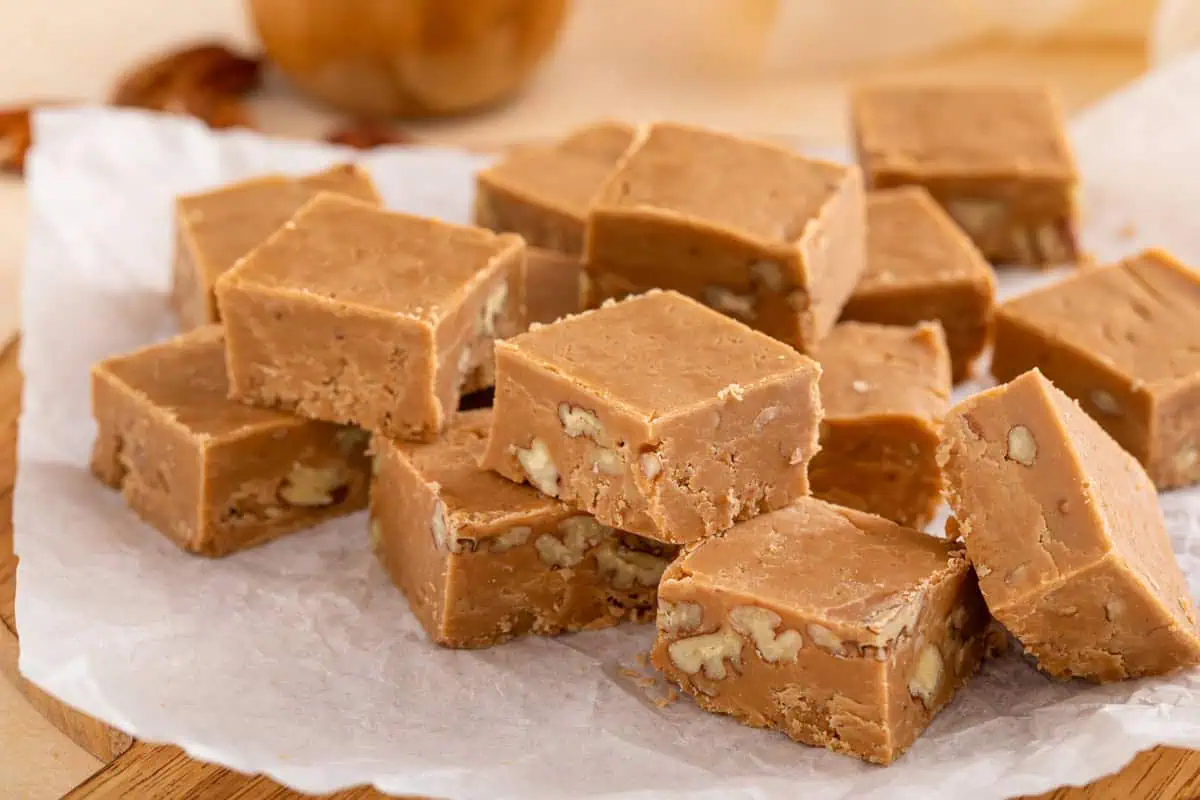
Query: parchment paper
x,y
299,660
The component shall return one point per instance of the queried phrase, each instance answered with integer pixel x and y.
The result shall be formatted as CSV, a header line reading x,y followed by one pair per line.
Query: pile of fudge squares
x,y
679,376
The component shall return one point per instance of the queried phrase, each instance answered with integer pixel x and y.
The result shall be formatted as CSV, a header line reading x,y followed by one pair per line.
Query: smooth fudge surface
x,y
921,266
657,415
543,193
751,229
885,390
358,315
552,285
482,559
211,474
1066,533
216,228
995,156
838,628
1124,341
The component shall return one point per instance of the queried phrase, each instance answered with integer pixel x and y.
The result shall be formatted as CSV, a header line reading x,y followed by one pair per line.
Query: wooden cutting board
x,y
138,769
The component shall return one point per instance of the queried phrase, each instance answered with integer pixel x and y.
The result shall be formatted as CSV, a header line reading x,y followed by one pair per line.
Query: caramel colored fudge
x,y
482,559
921,266
543,193
214,229
995,156
1124,341
552,285
213,475
838,628
357,315
657,415
885,390
752,230
1066,534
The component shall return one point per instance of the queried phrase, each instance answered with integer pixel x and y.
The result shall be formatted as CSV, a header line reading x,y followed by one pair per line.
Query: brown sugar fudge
x,y
552,285
1065,531
213,475
838,628
752,230
995,156
543,193
1124,341
657,415
885,390
921,266
357,315
214,229
482,559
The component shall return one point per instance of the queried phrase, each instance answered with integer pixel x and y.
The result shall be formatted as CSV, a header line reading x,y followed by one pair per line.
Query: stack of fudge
x,y
721,377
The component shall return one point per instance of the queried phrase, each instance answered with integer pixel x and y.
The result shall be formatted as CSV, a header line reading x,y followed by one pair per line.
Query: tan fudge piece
x,y
552,285
995,156
543,193
921,266
657,415
1124,341
1065,530
885,390
357,315
216,228
482,559
838,628
753,230
213,475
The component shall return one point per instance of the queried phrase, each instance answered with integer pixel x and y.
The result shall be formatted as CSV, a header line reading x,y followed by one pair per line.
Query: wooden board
x,y
139,769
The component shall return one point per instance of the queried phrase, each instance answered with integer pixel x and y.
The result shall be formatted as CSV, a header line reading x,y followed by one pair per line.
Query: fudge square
x,y
657,415
1124,341
995,156
358,315
216,228
482,559
838,628
921,266
543,193
755,231
211,474
1065,531
885,390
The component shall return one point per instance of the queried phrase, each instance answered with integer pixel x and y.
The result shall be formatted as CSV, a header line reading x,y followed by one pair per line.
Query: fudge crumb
x,y
860,386
733,390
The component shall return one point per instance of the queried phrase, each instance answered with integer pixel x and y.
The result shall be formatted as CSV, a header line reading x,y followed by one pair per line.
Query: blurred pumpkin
x,y
407,57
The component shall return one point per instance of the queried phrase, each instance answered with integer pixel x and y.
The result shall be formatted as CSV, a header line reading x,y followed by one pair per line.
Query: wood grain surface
x,y
139,769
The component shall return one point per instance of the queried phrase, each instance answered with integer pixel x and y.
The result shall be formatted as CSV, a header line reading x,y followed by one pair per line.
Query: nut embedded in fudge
x,y
838,628
216,228
657,415
1066,533
885,390
753,230
921,266
995,156
357,315
482,559
1124,341
542,193
214,475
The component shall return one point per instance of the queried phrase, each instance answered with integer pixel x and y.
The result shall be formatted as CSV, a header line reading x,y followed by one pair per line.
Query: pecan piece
x,y
203,80
16,136
366,134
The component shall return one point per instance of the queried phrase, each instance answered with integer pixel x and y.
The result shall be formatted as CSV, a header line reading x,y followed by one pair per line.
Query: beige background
x,y
609,63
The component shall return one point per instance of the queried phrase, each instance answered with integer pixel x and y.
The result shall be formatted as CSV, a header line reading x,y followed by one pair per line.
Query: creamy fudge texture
x,y
885,390
216,228
543,193
921,266
1067,536
357,315
752,230
838,628
995,156
482,559
1124,341
657,415
552,285
213,475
